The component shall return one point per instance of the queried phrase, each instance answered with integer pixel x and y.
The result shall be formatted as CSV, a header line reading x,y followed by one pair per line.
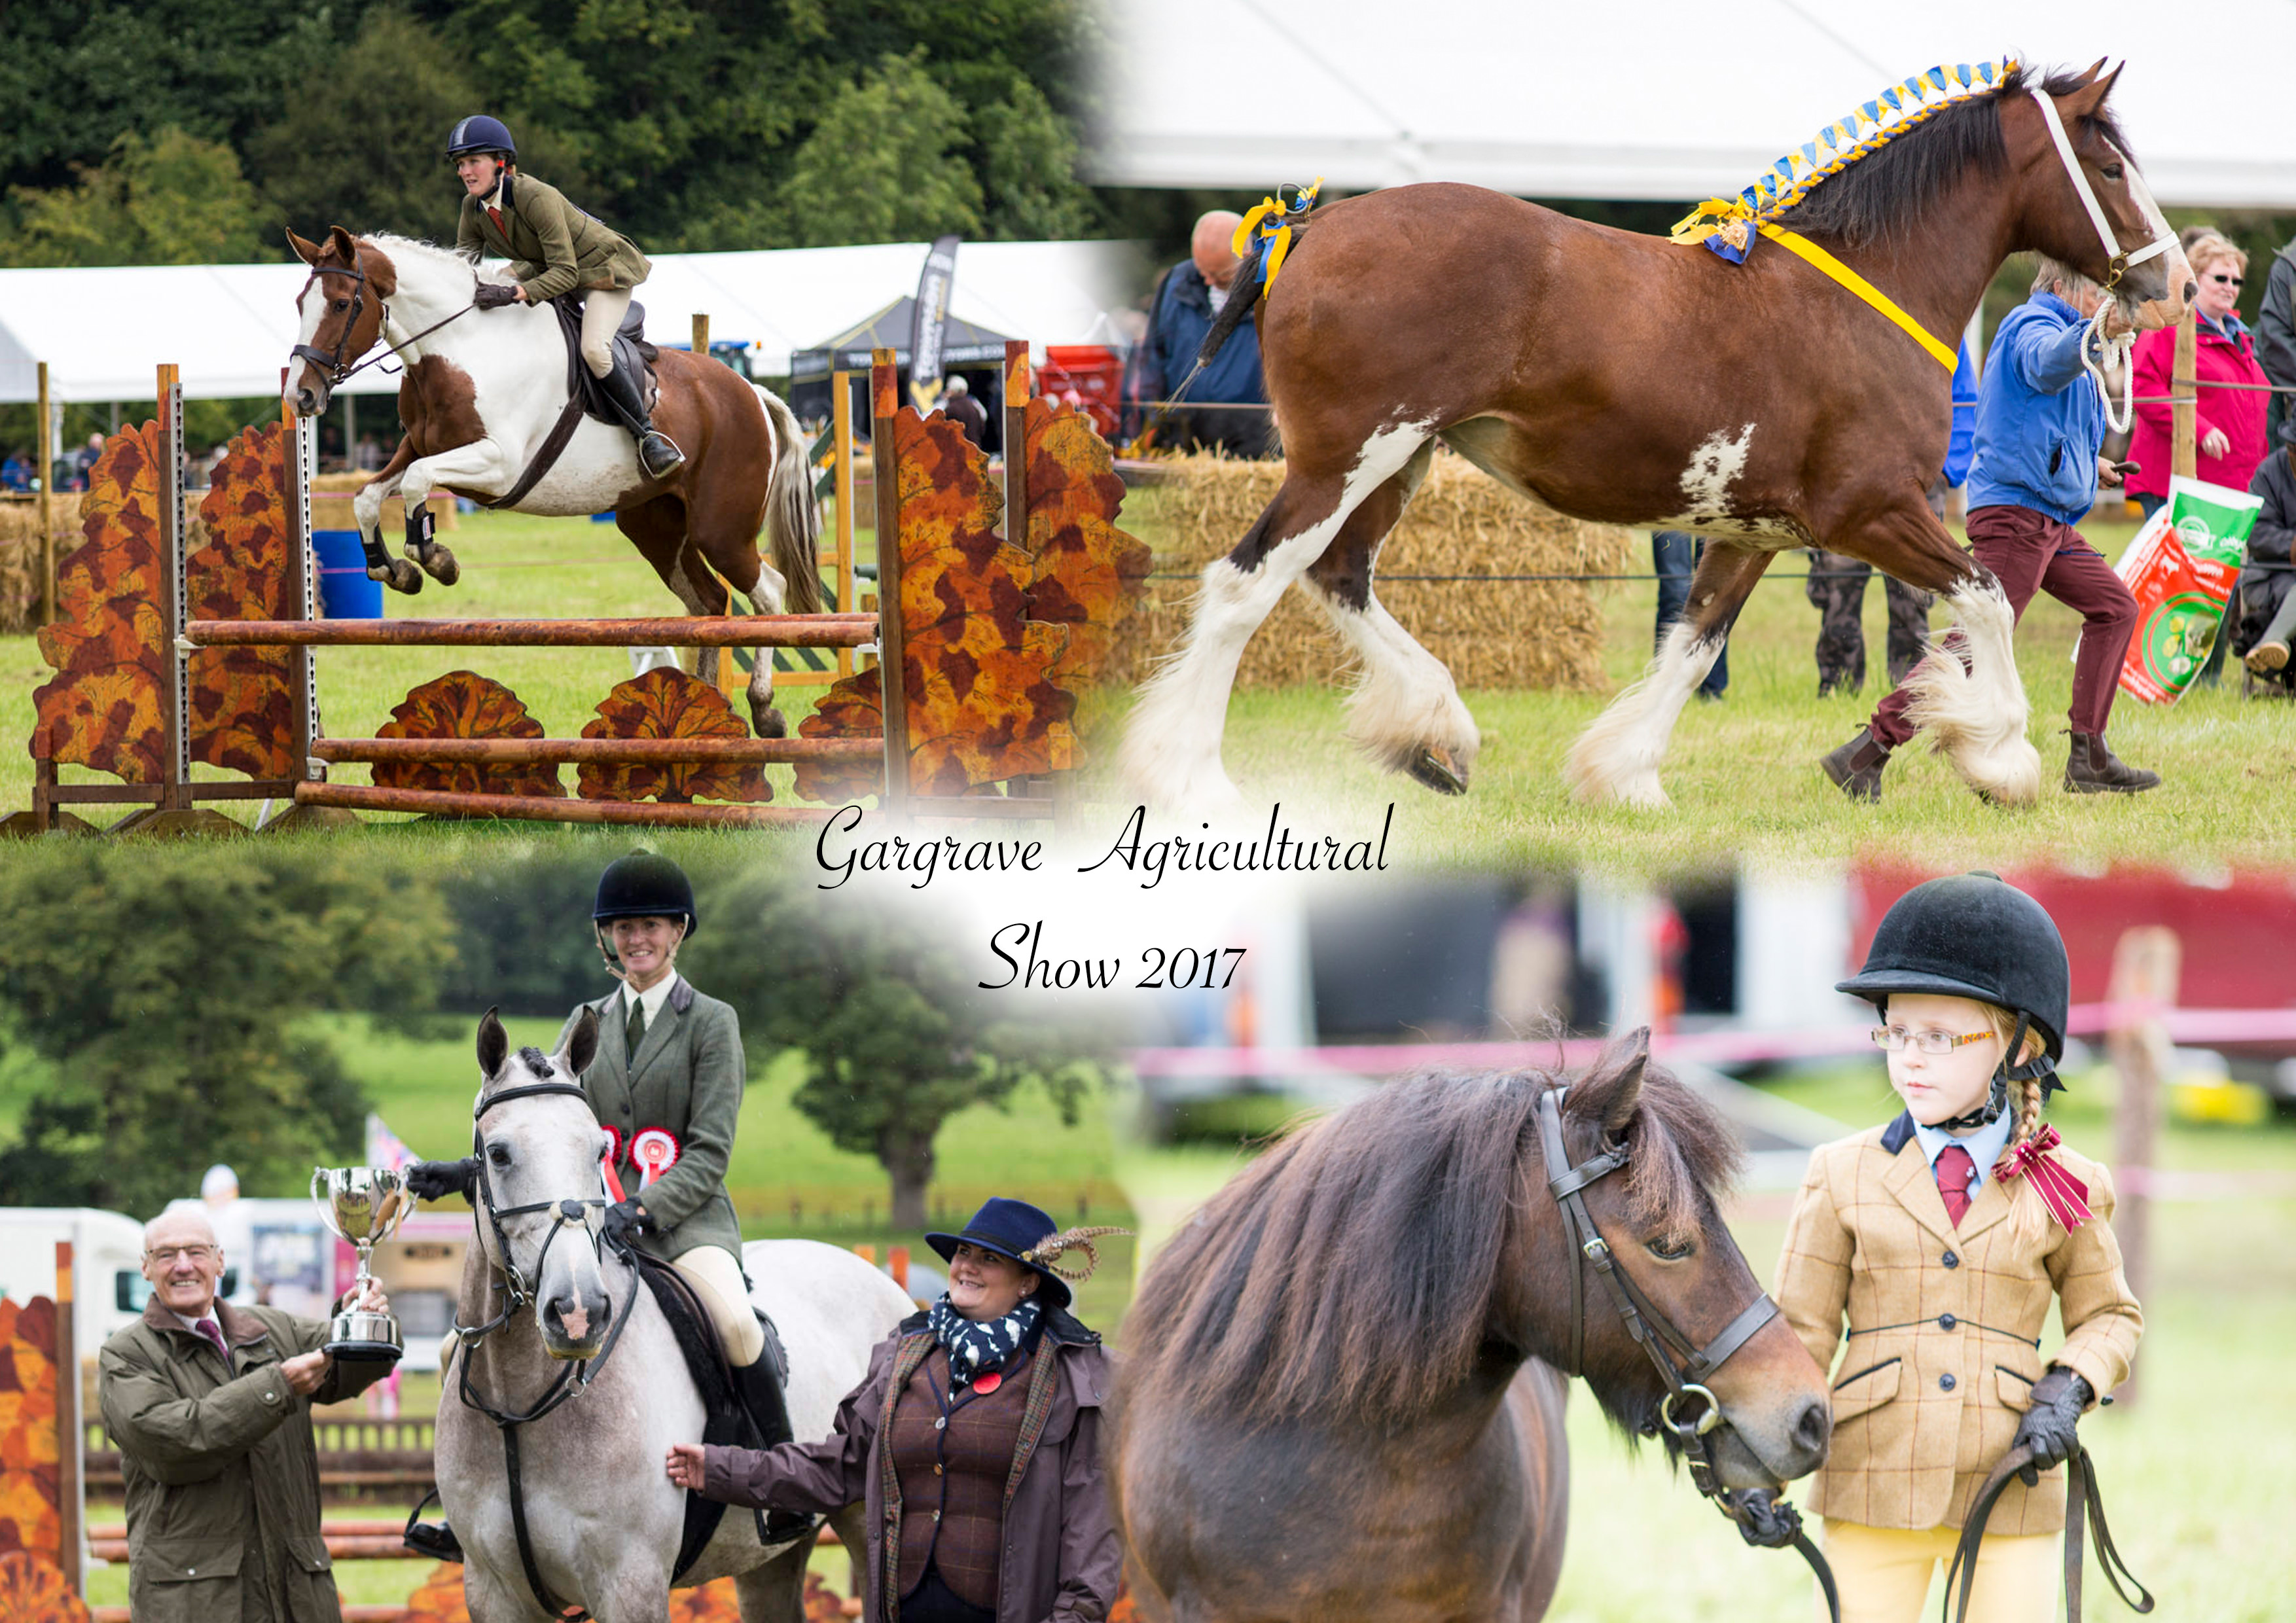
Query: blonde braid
x,y
2028,1123
2029,1217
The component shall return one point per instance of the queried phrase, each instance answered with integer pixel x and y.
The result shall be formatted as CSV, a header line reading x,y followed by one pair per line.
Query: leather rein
x,y
2082,1502
1682,1363
574,1375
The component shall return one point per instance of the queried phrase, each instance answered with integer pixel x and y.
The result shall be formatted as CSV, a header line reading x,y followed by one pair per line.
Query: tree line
x,y
177,132
154,1005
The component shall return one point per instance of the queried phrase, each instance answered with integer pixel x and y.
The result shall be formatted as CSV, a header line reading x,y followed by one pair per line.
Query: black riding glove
x,y
623,1219
436,1180
2058,1396
1765,1521
494,295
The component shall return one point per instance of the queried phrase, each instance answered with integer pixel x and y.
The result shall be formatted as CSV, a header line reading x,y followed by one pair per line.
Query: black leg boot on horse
x,y
658,453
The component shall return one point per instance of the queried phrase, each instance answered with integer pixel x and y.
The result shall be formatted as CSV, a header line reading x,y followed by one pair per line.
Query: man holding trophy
x,y
210,1404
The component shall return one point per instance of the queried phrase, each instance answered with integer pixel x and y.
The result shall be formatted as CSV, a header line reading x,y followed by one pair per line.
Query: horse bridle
x,y
340,368
574,1376
1682,1363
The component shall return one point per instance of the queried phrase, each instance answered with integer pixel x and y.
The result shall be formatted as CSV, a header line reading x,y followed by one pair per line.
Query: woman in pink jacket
x,y
2231,429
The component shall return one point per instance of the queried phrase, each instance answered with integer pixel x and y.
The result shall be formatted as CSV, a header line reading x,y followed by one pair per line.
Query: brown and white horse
x,y
481,393
1628,379
1342,1391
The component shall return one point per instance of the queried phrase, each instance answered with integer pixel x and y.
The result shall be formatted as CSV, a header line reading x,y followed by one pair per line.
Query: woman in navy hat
x,y
974,1441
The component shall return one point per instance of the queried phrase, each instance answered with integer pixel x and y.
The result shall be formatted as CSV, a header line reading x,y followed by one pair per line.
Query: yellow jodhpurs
x,y
1884,1573
603,309
716,1278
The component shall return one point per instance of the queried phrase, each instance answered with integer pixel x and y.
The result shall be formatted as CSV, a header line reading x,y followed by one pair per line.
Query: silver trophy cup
x,y
364,1205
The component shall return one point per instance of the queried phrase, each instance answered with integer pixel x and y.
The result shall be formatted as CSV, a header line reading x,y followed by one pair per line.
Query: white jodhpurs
x,y
603,309
716,1278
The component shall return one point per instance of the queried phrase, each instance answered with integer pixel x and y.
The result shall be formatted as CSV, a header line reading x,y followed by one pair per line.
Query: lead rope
x,y
2111,352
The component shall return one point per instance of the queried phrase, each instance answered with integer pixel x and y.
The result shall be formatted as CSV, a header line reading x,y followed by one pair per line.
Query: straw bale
x,y
19,558
1489,632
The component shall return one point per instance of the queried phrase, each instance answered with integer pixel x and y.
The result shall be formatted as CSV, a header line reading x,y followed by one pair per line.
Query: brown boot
x,y
2092,769
1856,767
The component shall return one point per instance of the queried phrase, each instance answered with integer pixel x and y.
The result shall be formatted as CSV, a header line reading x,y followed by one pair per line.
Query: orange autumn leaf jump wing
x,y
668,703
240,715
464,704
1088,573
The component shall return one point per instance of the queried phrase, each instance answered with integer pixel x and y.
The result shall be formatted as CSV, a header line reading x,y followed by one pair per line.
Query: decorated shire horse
x,y
482,399
571,1506
1343,1383
1630,379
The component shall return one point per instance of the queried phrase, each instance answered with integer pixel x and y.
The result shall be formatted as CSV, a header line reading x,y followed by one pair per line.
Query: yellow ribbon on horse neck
x,y
1942,354
1730,215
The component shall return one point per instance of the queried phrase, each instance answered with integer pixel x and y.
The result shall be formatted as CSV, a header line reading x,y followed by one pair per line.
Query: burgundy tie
x,y
1955,1169
496,213
209,1329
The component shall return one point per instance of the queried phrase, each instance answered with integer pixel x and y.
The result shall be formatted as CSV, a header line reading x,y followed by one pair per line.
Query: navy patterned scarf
x,y
976,1346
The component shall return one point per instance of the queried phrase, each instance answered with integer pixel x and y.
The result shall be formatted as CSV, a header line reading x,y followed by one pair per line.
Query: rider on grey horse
x,y
554,250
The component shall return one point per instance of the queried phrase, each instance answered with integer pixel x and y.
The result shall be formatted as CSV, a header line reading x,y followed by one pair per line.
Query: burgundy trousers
x,y
2029,551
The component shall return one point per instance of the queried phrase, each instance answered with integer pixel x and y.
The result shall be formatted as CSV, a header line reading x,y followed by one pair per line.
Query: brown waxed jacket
x,y
1944,1325
1061,1558
222,1471
553,247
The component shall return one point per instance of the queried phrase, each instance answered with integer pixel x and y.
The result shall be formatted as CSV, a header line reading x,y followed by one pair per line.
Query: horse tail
x,y
793,521
1240,303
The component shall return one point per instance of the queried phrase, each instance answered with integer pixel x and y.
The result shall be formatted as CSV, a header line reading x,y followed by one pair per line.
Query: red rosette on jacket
x,y
654,1150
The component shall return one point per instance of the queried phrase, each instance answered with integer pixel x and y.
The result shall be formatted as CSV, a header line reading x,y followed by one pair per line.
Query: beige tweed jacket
x,y
1944,1326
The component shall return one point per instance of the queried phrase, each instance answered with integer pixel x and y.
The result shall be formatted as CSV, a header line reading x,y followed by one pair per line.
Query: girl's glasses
x,y
2219,277
1896,1039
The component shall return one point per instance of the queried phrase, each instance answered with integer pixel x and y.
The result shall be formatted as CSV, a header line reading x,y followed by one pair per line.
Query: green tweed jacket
x,y
553,247
686,1077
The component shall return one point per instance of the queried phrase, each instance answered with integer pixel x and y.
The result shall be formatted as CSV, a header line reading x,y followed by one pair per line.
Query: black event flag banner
x,y
930,334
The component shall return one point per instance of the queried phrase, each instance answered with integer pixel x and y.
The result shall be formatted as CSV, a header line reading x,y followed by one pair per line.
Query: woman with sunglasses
x,y
1928,1253
2230,432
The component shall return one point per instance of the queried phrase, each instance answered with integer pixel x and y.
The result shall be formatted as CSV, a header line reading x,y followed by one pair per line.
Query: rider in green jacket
x,y
555,249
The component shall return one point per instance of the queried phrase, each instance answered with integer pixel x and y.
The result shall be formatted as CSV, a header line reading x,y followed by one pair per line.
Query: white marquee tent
x,y
230,326
1659,100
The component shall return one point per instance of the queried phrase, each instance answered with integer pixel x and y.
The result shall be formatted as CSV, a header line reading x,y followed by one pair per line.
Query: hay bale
x,y
1491,632
20,557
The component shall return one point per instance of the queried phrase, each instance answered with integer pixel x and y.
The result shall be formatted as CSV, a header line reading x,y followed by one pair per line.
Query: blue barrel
x,y
345,593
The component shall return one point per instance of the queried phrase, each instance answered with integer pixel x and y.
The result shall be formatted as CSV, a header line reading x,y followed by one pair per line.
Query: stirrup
x,y
651,446
436,1541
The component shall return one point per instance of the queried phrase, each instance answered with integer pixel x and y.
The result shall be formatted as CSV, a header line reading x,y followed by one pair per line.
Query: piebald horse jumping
x,y
556,1332
482,394
1628,379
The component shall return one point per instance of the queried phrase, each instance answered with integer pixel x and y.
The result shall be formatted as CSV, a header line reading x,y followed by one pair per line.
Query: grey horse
x,y
603,1520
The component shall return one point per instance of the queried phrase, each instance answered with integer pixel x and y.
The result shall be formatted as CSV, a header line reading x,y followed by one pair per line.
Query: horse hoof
x,y
771,724
1437,773
399,575
436,562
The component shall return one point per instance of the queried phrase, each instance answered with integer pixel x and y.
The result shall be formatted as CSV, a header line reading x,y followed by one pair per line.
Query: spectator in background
x,y
1191,294
369,457
2268,584
957,400
2231,431
2034,476
2275,335
84,463
17,472
1673,558
1836,586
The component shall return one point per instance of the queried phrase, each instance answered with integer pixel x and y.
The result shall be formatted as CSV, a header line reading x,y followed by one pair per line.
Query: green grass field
x,y
2194,1470
1743,776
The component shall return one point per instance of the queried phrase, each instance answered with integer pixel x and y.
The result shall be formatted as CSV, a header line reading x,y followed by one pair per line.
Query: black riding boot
x,y
1856,767
658,454
758,1386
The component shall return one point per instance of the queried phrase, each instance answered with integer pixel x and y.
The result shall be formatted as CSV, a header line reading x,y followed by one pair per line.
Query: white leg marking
x,y
1407,701
1976,717
367,505
1617,758
1172,747
479,465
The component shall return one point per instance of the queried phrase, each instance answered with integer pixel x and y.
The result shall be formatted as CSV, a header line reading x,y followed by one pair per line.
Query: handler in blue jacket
x,y
1190,296
2040,424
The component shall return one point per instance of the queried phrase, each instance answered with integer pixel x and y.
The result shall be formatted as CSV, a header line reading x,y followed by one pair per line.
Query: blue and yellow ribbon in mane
x,y
1727,226
1264,234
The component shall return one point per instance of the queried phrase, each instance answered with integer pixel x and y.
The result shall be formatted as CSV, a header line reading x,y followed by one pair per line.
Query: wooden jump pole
x,y
739,631
2184,410
885,406
555,808
299,445
597,752
175,656
2147,963
843,484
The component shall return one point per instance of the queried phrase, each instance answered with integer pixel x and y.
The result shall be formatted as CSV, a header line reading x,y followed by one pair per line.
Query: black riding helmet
x,y
1973,935
643,886
482,134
